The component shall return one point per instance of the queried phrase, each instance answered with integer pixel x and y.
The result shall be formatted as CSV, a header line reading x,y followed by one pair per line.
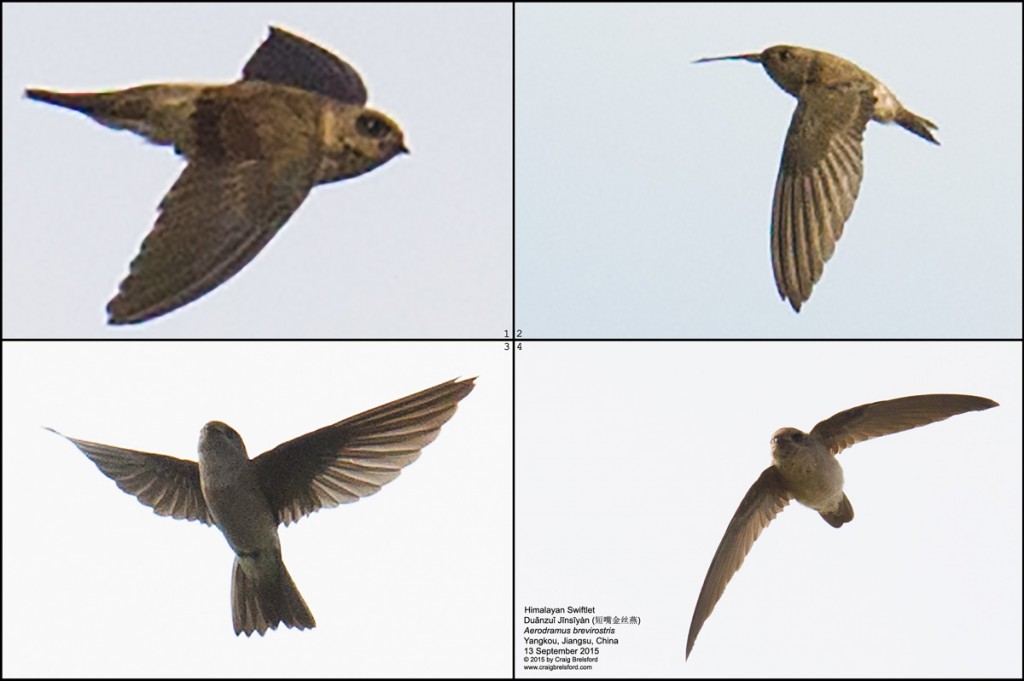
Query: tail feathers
x,y
842,514
917,125
120,109
258,606
84,102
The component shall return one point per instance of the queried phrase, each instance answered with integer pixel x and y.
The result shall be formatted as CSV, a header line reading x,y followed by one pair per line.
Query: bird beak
x,y
756,58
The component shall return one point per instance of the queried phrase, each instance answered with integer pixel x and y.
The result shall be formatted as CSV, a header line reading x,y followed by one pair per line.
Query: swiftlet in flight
x,y
822,159
804,467
246,499
255,148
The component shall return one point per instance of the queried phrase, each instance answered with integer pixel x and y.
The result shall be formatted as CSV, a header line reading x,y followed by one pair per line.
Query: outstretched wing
x,y
763,501
354,458
254,164
875,419
818,181
287,59
168,485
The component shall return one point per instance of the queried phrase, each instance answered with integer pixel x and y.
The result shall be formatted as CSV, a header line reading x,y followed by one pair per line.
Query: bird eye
x,y
372,126
783,55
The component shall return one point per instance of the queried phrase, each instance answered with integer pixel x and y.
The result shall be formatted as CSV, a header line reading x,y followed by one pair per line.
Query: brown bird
x,y
804,467
255,148
822,160
246,499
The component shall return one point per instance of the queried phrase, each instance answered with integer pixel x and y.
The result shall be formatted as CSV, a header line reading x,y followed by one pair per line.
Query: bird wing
x,y
288,59
818,181
354,458
763,501
243,182
168,485
875,419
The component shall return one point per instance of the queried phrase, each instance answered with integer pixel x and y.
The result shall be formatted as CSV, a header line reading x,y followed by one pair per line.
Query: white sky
x,y
629,466
644,182
415,580
420,247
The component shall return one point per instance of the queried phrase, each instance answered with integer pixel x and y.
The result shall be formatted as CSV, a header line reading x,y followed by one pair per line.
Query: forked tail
x,y
258,605
917,125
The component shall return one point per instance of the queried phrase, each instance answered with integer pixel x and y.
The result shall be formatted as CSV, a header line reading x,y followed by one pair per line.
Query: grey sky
x,y
418,248
644,182
645,460
391,579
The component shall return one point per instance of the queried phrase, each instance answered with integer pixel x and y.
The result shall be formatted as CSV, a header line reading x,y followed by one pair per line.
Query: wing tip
x,y
121,312
988,404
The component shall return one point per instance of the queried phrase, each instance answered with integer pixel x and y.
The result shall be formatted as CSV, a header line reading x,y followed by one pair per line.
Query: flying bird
x,y
804,467
822,159
255,148
246,499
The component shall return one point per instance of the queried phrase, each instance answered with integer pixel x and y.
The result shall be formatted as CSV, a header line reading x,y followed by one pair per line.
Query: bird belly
x,y
814,481
243,515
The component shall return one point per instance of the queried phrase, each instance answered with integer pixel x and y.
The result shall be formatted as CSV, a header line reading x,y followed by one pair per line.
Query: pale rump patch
x,y
886,104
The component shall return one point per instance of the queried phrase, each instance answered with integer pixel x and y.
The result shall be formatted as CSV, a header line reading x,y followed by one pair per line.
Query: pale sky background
x,y
415,580
420,247
629,466
644,182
